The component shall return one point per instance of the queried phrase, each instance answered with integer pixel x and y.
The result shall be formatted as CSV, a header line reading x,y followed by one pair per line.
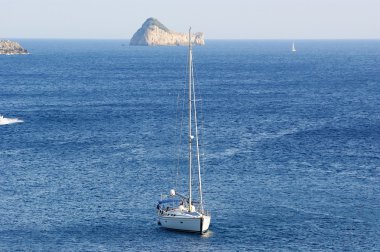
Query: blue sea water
x,y
292,145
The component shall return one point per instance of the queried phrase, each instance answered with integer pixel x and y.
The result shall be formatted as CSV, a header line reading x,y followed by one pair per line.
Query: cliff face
x,y
9,47
152,33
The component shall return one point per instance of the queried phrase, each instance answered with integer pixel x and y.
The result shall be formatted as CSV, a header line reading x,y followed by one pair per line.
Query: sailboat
x,y
293,48
179,211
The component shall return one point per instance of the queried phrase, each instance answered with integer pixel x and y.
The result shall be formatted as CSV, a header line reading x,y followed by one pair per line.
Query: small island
x,y
154,33
8,47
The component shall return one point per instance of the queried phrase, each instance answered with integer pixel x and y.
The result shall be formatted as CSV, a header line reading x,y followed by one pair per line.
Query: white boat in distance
x,y
293,48
5,121
177,211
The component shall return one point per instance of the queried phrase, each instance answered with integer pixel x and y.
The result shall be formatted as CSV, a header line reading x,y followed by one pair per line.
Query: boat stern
x,y
205,223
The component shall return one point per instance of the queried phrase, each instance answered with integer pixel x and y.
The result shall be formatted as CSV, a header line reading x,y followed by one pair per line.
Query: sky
x,y
218,19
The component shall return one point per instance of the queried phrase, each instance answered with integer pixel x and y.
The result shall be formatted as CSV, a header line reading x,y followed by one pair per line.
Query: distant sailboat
x,y
182,212
293,48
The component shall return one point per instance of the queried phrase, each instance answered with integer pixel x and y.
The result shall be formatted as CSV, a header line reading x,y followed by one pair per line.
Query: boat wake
x,y
5,121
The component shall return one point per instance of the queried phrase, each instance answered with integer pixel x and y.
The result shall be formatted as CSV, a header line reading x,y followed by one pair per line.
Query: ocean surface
x,y
291,145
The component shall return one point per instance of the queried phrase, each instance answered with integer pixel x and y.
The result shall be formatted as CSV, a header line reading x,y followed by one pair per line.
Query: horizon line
x,y
292,39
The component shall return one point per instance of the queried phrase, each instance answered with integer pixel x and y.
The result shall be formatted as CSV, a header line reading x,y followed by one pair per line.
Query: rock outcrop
x,y
154,33
10,47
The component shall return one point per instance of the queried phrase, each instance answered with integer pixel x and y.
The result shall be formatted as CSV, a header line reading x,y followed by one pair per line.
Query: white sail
x,y
293,48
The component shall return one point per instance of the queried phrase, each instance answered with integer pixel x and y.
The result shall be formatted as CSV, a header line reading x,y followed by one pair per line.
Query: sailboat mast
x,y
197,144
190,81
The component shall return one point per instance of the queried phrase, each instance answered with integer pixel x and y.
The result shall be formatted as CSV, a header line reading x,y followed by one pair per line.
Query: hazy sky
x,y
223,19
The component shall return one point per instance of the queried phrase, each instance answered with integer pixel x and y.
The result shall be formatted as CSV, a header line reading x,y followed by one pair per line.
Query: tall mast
x,y
190,137
197,144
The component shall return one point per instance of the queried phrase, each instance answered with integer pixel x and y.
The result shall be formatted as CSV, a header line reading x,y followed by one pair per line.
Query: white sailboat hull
x,y
195,224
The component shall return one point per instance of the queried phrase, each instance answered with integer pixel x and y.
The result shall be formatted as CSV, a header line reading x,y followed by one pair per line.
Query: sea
x,y
291,145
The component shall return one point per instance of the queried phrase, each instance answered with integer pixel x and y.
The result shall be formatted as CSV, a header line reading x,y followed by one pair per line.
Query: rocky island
x,y
10,47
154,33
